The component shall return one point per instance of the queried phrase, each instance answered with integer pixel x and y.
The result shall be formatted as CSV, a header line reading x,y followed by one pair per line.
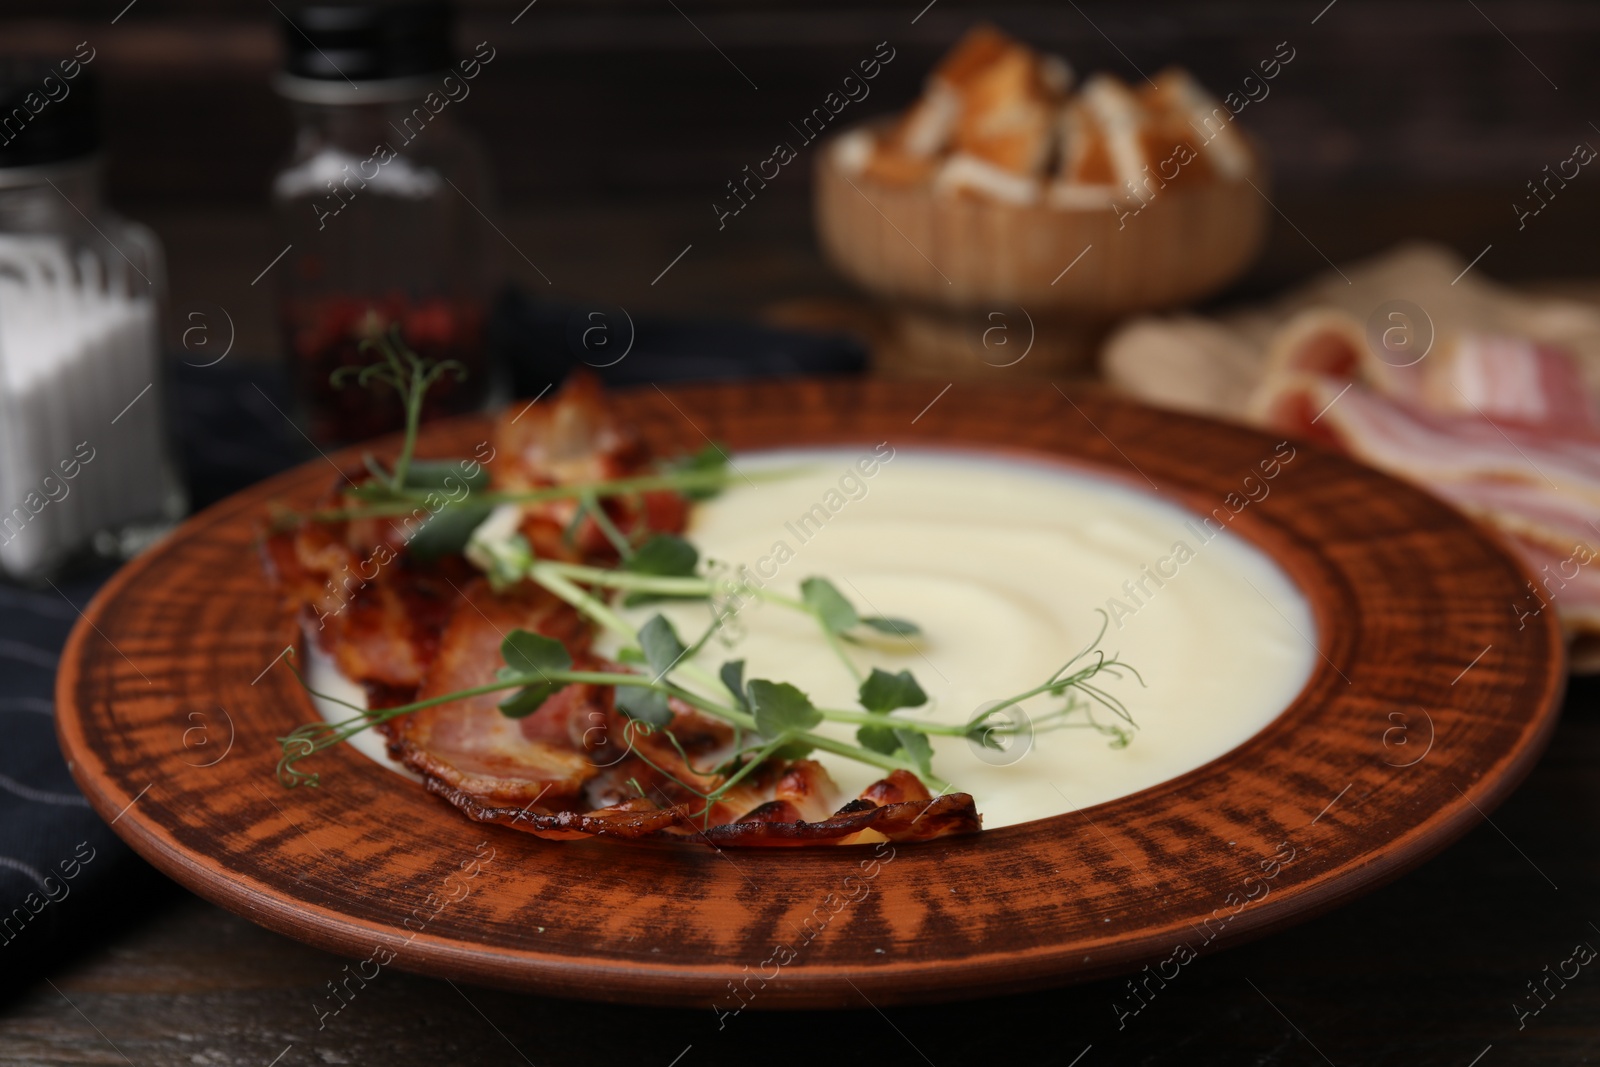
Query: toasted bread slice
x,y
1183,112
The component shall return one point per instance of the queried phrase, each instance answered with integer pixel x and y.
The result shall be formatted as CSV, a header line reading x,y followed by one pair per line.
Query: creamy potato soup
x,y
1002,564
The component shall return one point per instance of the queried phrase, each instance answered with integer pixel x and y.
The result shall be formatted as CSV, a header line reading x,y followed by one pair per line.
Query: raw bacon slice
x,y
1331,344
1528,511
1511,379
1538,487
1430,449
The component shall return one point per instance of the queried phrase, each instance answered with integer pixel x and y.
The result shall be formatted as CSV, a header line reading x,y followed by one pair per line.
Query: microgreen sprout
x,y
407,374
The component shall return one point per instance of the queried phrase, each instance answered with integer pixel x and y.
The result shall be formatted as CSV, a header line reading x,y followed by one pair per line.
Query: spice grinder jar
x,y
382,207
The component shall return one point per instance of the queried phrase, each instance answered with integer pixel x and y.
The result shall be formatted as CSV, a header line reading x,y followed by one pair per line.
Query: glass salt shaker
x,y
383,205
84,457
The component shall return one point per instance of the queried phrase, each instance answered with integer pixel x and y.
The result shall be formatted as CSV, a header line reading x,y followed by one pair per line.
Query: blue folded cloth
x,y
52,847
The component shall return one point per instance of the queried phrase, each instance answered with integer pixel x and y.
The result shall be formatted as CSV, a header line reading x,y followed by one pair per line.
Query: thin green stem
x,y
867,755
870,718
838,648
410,499
755,761
591,606
628,580
778,598
591,506
413,399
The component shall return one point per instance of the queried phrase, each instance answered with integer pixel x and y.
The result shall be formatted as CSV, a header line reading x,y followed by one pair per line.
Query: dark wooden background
x,y
612,127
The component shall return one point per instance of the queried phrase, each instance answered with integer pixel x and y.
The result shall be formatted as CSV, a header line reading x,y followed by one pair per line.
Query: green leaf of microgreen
x,y
883,692
710,458
984,731
918,749
529,653
663,556
447,531
643,705
879,739
528,699
732,675
781,709
448,474
892,627
793,750
381,492
829,605
666,556
660,643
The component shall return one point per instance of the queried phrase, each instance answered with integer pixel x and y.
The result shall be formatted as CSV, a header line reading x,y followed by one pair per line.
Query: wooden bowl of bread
x,y
1010,218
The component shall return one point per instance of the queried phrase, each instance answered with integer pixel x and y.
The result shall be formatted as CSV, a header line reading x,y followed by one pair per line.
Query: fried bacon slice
x,y
409,630
469,744
380,613
377,613
575,439
577,767
896,808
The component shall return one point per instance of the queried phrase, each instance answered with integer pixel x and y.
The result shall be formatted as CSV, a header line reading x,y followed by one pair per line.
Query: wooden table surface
x,y
1429,970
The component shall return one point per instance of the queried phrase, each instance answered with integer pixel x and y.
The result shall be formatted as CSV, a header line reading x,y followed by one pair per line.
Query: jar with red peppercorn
x,y
382,205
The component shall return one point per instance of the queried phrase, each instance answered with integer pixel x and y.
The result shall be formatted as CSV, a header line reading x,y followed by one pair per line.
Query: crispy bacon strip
x,y
574,439
576,767
379,615
912,816
469,744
